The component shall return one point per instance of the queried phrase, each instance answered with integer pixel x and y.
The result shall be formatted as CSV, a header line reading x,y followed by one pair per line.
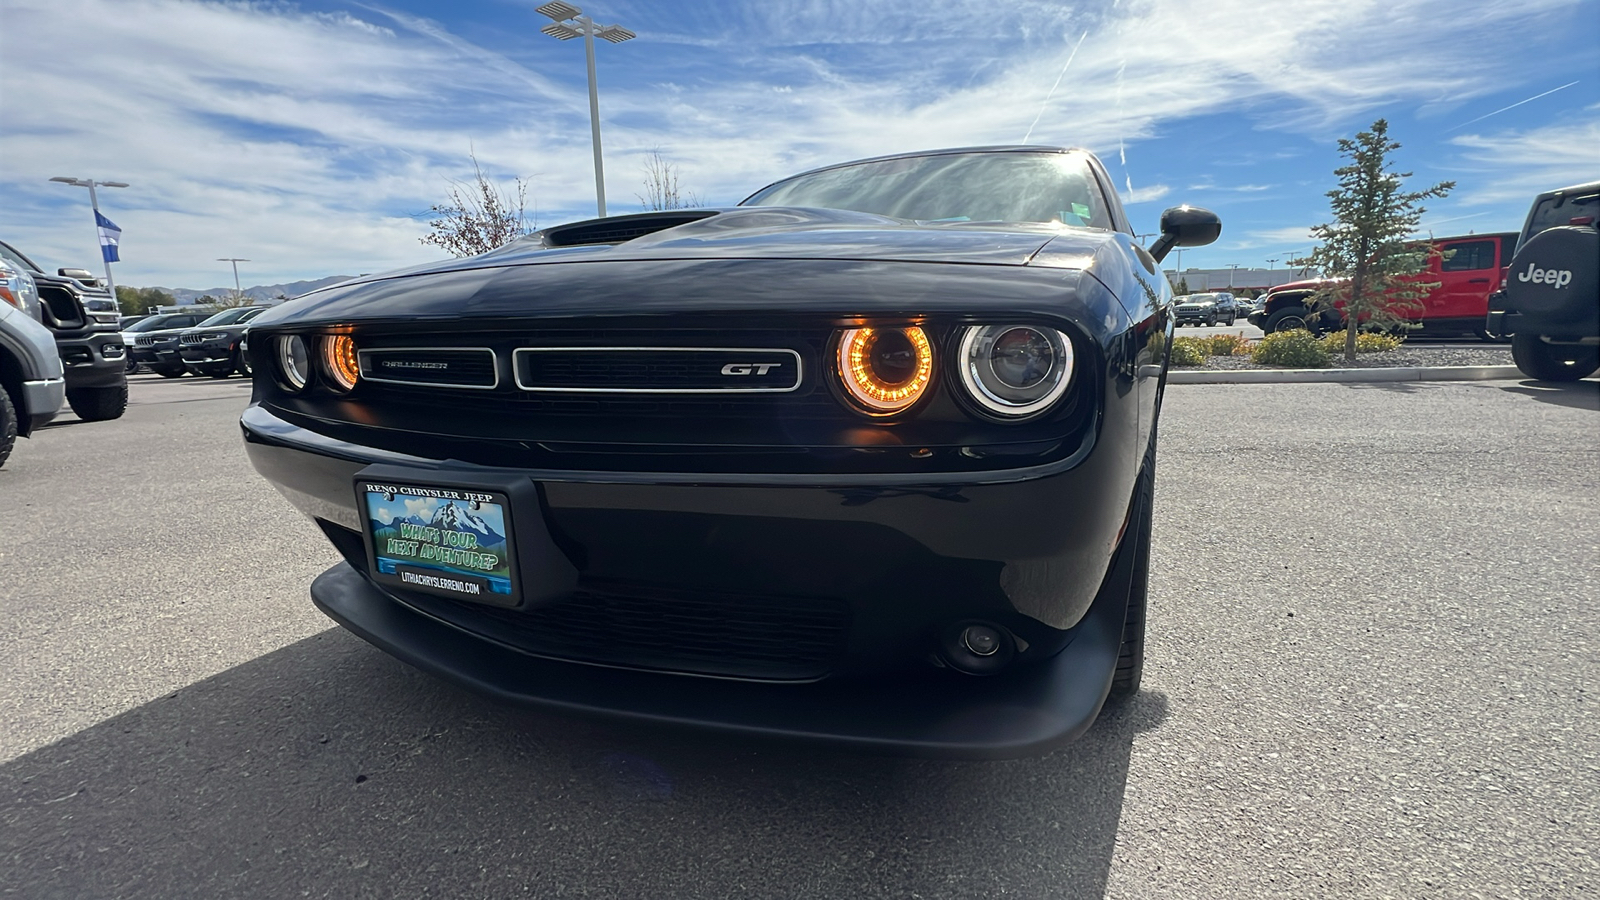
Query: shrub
x,y
1292,349
1366,342
1189,351
1228,345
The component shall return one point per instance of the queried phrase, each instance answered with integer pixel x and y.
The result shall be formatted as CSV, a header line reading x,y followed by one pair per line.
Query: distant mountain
x,y
265,293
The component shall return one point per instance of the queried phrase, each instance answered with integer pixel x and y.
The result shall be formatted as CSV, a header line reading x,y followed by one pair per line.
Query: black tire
x,y
1553,362
132,365
169,371
8,425
221,371
242,364
1130,659
1231,317
99,404
1211,320
1288,318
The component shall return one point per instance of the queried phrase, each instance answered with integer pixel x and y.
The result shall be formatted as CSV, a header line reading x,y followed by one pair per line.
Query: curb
x,y
1282,376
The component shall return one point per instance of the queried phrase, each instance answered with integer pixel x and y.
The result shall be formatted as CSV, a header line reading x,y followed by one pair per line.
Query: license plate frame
x,y
414,544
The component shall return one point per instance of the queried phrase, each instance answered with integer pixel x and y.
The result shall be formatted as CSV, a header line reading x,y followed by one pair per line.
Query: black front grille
x,y
192,338
733,636
427,366
657,370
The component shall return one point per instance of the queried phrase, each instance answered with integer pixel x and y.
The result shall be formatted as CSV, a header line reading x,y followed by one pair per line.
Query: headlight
x,y
339,360
215,336
1015,370
885,370
294,361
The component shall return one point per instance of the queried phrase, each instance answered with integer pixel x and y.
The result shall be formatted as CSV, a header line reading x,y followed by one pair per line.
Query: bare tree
x,y
479,216
661,186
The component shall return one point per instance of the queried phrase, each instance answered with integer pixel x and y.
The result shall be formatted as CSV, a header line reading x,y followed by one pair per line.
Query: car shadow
x,y
1574,394
329,769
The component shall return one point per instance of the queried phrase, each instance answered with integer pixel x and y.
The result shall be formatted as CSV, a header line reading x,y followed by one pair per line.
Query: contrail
x,y
1514,105
1054,86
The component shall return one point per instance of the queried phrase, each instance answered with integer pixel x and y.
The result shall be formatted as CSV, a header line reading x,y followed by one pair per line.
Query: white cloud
x,y
1525,163
1146,194
311,142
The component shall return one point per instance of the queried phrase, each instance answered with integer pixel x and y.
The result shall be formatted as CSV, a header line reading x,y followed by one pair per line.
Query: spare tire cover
x,y
1556,276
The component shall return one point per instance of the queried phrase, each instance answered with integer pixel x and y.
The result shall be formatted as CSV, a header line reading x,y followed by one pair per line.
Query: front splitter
x,y
941,714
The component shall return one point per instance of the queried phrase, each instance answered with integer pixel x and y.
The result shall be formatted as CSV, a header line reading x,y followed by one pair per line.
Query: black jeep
x,y
1550,302
83,318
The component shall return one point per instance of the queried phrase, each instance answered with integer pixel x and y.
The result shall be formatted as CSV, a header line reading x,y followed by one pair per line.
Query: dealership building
x,y
1239,279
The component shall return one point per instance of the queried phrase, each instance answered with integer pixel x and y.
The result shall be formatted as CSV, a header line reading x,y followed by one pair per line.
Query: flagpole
x,y
94,204
110,285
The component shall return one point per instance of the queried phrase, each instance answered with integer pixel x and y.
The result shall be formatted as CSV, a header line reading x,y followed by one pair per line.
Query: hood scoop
x,y
617,229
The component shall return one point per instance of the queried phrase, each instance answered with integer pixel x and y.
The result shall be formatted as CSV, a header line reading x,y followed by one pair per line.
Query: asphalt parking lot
x,y
1372,673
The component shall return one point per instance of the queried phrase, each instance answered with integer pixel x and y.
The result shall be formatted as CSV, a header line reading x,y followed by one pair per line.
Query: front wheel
x,y
1553,362
8,425
1130,658
1289,318
242,366
99,404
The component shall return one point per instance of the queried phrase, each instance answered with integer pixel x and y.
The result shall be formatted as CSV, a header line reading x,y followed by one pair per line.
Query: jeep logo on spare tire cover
x,y
1556,276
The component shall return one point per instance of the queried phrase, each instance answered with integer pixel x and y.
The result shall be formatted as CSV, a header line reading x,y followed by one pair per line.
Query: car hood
x,y
774,235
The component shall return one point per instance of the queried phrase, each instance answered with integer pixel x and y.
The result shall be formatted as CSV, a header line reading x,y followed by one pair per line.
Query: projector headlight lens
x,y
339,359
294,361
885,370
1015,371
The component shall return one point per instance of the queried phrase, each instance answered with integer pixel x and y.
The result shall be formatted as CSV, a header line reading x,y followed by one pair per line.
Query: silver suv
x,y
32,387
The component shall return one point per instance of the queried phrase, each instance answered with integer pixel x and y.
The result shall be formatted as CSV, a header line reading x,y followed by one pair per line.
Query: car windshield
x,y
150,324
1202,298
1055,188
232,316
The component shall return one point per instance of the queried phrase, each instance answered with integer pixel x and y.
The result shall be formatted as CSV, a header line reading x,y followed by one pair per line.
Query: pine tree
x,y
1365,247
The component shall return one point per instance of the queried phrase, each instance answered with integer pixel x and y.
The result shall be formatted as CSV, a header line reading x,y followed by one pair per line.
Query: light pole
x,y
1271,262
238,292
1231,268
94,203
569,22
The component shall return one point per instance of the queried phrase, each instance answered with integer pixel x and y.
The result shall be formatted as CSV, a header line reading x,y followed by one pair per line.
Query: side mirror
x,y
1185,226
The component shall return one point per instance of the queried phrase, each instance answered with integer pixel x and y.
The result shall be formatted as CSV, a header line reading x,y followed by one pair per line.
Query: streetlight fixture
x,y
1271,263
238,292
569,22
94,203
1231,268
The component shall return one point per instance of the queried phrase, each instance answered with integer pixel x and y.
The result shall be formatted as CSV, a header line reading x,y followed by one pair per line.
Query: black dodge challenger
x,y
867,459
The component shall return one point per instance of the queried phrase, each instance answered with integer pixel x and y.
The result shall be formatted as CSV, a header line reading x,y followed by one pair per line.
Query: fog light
x,y
981,640
977,648
113,351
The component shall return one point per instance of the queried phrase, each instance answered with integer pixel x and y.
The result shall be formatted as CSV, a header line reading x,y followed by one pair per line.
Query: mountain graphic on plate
x,y
455,517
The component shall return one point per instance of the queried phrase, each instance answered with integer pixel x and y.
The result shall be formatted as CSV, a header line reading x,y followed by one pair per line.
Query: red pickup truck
x,y
1467,268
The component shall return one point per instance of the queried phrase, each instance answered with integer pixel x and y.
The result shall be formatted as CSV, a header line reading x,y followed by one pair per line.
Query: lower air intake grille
x,y
764,638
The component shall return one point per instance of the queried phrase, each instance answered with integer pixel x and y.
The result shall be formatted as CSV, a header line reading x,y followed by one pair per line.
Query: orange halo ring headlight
x,y
339,360
885,370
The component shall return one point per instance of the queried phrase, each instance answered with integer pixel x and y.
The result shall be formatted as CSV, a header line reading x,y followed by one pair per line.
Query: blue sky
x,y
311,137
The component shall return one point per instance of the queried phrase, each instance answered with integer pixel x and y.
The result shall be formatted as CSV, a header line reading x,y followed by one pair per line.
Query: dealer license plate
x,y
455,542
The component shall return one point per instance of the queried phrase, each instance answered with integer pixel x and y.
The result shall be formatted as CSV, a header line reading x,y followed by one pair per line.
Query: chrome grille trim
x,y
799,370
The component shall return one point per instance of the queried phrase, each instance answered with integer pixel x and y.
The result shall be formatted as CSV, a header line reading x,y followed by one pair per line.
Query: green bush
x,y
1296,349
1189,351
1228,345
1366,342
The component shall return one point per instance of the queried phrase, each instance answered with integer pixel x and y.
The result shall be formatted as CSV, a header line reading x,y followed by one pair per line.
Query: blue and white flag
x,y
110,236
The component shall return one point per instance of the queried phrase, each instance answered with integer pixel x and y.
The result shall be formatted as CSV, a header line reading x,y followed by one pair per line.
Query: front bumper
x,y
209,354
99,360
44,400
1201,315
1034,553
940,714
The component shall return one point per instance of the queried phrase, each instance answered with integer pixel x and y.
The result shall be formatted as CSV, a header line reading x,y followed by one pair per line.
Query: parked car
x,y
83,319
1205,309
212,347
32,385
868,459
1550,304
144,354
1465,270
